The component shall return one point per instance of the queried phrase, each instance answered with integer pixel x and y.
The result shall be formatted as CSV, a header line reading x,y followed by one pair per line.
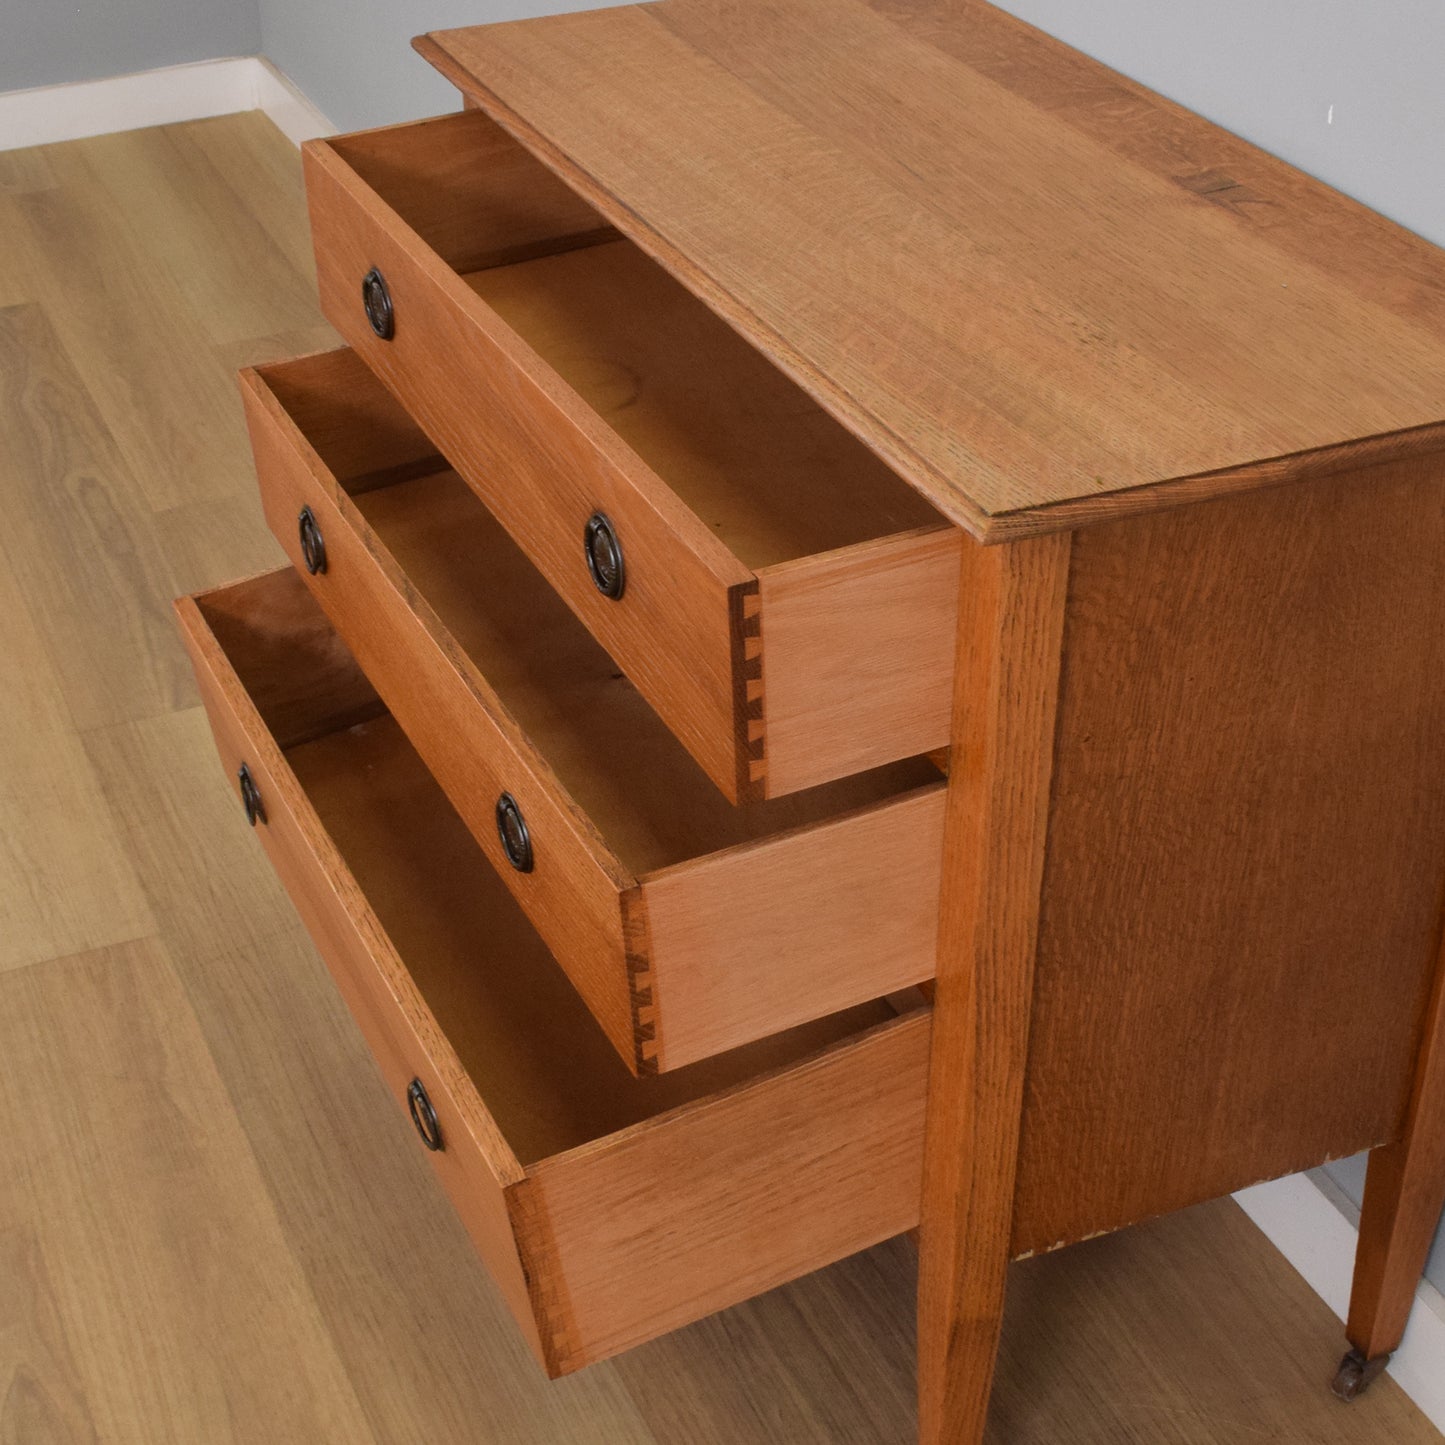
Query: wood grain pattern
x,y
1011,619
652,1228
913,275
396,895
43,1393
221,259
538,461
387,1261
1241,907
767,471
90,507
456,720
876,620
470,191
350,1254
501,688
132,1193
1404,1197
53,817
150,363
608,387
477,1163
807,922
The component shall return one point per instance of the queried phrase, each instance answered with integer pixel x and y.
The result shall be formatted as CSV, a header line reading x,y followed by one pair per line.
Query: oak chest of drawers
x,y
820,499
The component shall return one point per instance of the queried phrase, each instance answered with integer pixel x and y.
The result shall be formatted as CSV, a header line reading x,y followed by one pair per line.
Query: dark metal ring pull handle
x,y
423,1115
604,556
512,830
251,797
376,298
313,544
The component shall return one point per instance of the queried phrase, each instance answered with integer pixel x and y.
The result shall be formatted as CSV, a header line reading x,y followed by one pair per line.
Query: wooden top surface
x,y
1029,284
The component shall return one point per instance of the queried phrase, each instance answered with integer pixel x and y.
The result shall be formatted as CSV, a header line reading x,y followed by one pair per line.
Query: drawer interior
x,y
616,758
772,474
539,1061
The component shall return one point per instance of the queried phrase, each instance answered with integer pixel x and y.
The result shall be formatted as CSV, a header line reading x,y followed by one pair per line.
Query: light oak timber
x,y
147,359
900,598
257,350
45,1393
267,187
593,381
1188,319
25,170
1241,908
426,1339
535,1112
793,925
1136,383
542,476
470,193
1404,1196
688,926
91,507
1011,621
131,1194
1238,924
205,542
835,1148
218,255
331,1193
53,816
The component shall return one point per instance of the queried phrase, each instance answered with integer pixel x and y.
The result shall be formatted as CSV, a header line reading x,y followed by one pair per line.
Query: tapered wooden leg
x,y
1404,1196
1010,637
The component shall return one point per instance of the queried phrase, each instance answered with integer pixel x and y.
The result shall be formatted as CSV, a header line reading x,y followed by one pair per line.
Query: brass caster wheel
x,y
1356,1374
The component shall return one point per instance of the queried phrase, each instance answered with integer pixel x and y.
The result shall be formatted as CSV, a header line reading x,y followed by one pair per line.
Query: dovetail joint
x,y
748,663
640,985
551,1308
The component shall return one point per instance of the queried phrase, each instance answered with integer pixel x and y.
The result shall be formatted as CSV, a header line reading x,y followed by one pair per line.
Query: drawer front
x,y
476,1166
677,964
574,889
681,628
777,675
750,1173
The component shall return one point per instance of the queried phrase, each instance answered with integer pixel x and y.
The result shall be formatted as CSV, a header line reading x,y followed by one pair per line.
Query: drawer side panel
x,y
858,656
1242,897
757,939
697,1210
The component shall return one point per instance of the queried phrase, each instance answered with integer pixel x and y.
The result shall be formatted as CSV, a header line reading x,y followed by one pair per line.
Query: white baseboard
x,y
1309,1229
157,97
291,112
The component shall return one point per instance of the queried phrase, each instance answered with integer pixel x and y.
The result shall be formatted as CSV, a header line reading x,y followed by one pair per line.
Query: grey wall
x,y
45,42
1276,72
354,59
1348,1176
1344,90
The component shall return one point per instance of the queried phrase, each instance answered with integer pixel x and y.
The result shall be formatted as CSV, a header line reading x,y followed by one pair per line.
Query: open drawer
x,y
689,926
608,1208
783,599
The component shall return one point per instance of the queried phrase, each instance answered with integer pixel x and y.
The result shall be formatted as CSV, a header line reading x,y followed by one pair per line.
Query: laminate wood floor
x,y
215,1227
